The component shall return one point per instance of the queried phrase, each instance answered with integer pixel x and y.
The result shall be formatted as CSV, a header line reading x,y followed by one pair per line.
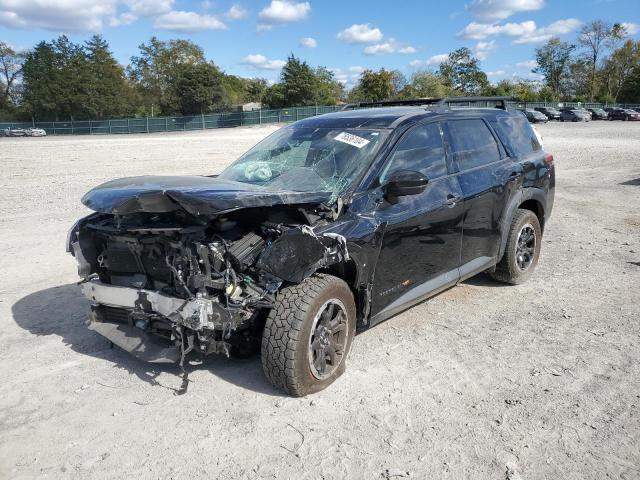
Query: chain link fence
x,y
218,120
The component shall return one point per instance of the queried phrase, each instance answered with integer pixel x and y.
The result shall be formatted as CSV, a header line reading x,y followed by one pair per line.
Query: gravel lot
x,y
538,381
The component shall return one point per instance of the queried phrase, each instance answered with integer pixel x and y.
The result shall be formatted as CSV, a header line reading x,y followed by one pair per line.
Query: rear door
x,y
420,250
487,176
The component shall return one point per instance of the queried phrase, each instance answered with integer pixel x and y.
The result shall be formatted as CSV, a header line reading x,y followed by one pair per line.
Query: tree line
x,y
62,80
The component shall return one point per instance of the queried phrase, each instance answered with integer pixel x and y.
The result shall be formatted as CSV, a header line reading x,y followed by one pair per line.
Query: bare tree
x,y
595,37
10,68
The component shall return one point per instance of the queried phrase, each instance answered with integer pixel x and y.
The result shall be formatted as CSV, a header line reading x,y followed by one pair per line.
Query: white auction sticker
x,y
350,139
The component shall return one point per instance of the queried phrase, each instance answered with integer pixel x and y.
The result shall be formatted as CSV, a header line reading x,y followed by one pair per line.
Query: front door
x,y
420,250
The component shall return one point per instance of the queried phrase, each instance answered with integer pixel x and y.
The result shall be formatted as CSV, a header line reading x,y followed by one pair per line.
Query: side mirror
x,y
405,182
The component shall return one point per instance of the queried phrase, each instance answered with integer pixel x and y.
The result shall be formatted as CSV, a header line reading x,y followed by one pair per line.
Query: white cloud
x,y
497,73
379,49
236,12
149,8
480,31
529,64
349,77
434,60
482,49
308,42
390,46
560,27
187,22
407,49
126,18
57,15
437,59
631,28
360,33
494,10
260,62
283,11
523,32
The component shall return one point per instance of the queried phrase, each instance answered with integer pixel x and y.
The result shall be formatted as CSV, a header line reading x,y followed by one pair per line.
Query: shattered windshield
x,y
306,159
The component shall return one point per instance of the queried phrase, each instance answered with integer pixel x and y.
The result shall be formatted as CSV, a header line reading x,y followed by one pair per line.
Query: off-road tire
x,y
507,270
287,333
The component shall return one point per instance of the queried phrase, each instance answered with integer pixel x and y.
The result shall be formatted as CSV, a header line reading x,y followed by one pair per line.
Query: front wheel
x,y
523,249
308,335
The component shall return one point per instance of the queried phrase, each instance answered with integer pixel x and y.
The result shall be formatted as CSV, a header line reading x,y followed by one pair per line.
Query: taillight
x,y
548,160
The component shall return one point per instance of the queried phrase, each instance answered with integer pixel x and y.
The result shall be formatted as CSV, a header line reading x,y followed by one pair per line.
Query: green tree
x,y
520,89
373,86
463,74
156,69
554,60
425,84
199,88
110,94
620,68
328,91
55,81
298,83
254,89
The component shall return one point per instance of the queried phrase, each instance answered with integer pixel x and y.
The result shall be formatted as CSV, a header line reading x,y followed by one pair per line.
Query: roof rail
x,y
440,103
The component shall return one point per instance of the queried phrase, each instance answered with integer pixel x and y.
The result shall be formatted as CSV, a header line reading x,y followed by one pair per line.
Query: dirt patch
x,y
539,380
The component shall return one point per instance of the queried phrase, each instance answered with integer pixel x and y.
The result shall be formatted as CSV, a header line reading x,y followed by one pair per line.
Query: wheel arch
x,y
532,199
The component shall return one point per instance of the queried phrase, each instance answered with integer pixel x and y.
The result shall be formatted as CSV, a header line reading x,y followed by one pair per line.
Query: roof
x,y
385,117
388,117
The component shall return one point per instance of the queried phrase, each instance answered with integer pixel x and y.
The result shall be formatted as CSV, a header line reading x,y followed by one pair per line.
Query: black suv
x,y
331,224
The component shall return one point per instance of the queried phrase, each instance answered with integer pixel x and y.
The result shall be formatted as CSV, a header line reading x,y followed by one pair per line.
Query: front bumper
x,y
197,324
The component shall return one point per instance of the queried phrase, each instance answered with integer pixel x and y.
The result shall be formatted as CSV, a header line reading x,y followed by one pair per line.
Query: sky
x,y
253,38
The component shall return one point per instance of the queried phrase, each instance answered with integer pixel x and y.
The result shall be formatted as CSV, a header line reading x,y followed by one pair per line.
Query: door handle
x,y
452,200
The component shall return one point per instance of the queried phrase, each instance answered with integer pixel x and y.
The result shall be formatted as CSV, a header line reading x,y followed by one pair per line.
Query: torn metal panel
x,y
299,252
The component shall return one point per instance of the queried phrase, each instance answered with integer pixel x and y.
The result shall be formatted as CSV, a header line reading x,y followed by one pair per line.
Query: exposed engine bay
x,y
192,283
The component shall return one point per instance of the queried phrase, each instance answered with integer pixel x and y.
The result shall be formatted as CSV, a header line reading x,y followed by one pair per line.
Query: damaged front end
x,y
164,284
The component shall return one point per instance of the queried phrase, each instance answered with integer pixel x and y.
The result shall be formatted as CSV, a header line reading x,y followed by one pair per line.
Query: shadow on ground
x,y
62,311
485,280
635,181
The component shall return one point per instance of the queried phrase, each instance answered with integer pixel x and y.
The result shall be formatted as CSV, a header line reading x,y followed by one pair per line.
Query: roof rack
x,y
441,104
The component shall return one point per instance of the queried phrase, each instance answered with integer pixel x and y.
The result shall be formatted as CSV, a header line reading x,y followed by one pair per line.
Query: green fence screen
x,y
211,120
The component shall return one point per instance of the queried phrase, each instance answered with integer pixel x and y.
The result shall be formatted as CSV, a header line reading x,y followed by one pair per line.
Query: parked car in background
x,y
584,111
535,117
623,114
574,116
13,132
550,112
35,132
598,114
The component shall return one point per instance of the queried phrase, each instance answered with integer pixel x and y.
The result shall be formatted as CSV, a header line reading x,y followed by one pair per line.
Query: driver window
x,y
420,150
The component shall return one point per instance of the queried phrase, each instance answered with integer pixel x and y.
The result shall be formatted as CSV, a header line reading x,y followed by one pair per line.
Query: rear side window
x,y
420,150
472,143
517,135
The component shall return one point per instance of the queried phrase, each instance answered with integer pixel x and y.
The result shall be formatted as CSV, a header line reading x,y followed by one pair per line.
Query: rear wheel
x,y
523,249
308,335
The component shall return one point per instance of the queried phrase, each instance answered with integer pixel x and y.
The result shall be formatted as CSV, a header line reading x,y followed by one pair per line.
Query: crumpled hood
x,y
195,194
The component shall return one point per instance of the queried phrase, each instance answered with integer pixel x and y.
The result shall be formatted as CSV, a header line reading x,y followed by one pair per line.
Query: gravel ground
x,y
537,381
